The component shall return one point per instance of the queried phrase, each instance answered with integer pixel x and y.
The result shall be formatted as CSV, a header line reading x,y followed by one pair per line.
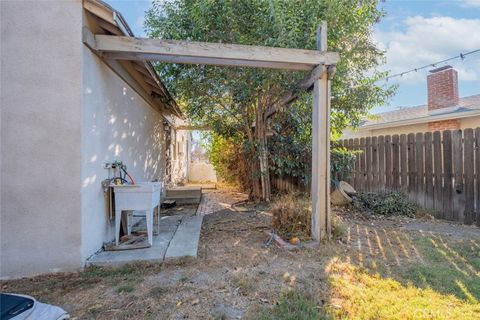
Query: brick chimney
x,y
442,88
443,97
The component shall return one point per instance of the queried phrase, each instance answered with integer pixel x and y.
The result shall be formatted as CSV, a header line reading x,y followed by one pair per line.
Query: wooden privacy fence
x,y
438,170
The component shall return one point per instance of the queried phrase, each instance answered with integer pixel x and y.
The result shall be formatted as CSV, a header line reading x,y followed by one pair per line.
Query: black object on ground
x,y
167,204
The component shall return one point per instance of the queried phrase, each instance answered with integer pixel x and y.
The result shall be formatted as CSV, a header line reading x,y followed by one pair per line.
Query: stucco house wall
x,y
117,124
41,104
64,113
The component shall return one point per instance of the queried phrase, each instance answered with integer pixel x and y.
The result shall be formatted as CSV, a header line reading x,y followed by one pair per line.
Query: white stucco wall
x,y
40,82
117,124
180,151
472,122
201,171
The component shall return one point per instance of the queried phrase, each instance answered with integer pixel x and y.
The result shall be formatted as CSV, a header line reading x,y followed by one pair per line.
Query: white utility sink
x,y
143,196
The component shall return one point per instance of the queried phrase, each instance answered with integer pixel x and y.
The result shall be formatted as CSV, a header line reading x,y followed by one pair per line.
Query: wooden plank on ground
x,y
429,197
374,164
438,174
368,163
403,162
477,174
419,155
447,175
388,162
469,169
458,192
412,176
395,162
381,163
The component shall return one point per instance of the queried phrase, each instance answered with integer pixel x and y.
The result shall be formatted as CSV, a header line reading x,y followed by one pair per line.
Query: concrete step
x,y
185,240
184,195
204,186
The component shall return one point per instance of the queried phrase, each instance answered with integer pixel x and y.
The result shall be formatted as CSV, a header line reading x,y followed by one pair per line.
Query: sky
x,y
413,34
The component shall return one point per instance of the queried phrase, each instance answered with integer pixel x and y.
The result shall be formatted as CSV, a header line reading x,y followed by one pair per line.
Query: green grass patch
x,y
126,288
291,306
130,272
448,267
356,294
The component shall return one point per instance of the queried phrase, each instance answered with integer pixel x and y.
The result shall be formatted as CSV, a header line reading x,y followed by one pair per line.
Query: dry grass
x,y
292,216
237,275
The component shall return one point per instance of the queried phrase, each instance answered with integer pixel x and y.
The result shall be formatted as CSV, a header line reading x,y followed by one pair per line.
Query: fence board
x,y
403,161
350,147
374,164
388,162
447,175
477,174
428,171
362,165
439,170
469,169
395,162
356,180
412,176
368,159
381,162
419,144
438,174
458,192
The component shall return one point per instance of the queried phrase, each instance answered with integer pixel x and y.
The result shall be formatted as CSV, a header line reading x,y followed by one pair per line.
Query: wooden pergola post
x,y
320,190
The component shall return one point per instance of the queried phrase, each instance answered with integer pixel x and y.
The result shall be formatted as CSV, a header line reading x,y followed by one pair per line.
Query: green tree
x,y
234,101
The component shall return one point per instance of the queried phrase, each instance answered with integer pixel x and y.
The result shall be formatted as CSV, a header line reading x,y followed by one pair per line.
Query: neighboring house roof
x,y
110,21
467,107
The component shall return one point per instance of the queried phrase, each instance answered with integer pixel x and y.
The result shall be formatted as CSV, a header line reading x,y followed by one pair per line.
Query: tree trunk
x,y
261,144
256,190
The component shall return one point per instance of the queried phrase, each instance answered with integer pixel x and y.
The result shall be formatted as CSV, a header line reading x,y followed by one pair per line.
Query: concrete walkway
x,y
179,236
218,200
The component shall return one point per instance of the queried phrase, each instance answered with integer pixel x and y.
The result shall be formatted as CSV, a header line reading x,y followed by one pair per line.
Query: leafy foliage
x,y
387,203
341,163
221,153
231,99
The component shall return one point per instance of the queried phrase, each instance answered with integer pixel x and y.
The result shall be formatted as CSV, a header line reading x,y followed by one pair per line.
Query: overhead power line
x,y
434,64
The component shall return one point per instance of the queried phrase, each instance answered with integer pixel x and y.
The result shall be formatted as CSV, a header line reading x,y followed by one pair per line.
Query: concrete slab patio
x,y
178,237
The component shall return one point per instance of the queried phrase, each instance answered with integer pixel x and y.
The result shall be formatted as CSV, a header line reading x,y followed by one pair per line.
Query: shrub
x,y
341,164
292,214
387,203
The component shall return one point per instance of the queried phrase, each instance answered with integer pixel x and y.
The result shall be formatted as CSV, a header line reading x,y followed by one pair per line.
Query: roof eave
x,y
421,120
123,26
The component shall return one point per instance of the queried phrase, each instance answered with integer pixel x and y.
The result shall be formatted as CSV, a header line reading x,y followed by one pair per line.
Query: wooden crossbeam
x,y
192,128
173,51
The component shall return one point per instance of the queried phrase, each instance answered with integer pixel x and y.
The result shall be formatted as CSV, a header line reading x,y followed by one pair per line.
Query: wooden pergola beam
x,y
192,128
189,52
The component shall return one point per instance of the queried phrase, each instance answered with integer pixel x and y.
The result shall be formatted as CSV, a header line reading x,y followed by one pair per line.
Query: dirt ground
x,y
236,274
